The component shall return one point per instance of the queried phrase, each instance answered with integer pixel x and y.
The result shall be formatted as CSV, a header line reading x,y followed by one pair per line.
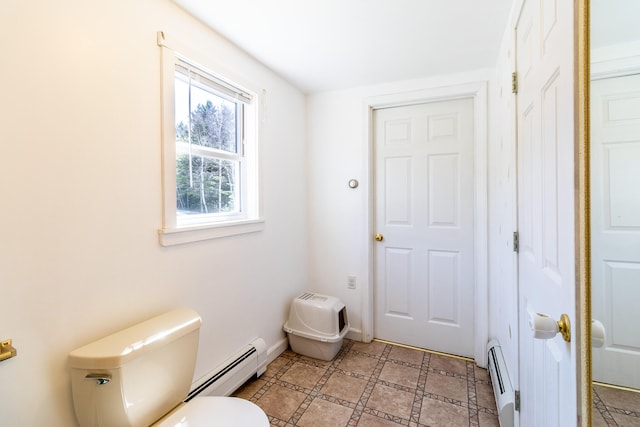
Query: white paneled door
x,y
424,218
615,227
546,257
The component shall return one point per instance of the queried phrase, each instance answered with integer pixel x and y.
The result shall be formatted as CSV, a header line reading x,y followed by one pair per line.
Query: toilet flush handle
x,y
100,379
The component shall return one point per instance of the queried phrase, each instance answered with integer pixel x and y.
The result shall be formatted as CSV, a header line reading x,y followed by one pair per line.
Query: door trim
x,y
614,61
478,92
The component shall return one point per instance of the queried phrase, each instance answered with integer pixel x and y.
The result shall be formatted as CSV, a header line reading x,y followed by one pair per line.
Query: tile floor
x,y
374,385
615,407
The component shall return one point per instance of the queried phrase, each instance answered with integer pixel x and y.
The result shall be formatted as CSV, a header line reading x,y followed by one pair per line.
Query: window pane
x,y
181,90
204,118
210,164
206,185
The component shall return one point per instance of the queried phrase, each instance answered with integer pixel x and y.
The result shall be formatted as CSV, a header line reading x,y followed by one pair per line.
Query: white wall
x,y
614,38
613,23
81,203
339,217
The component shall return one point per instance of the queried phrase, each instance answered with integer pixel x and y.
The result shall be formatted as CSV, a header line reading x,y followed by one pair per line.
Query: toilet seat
x,y
214,411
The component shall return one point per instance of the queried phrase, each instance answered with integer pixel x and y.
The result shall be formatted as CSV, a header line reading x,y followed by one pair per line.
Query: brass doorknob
x,y
379,237
544,327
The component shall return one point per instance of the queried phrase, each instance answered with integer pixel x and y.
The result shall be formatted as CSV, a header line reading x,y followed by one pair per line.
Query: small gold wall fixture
x,y
7,351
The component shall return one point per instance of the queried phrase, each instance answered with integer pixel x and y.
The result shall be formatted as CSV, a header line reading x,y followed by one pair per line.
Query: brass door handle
x,y
544,327
379,237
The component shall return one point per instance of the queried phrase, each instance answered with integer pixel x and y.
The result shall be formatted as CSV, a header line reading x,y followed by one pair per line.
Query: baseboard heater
x,y
502,388
249,361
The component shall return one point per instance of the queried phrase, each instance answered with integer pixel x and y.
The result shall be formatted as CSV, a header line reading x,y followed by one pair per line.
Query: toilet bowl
x,y
141,375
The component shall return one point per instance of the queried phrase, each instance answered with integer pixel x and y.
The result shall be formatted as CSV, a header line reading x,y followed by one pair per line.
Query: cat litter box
x,y
316,325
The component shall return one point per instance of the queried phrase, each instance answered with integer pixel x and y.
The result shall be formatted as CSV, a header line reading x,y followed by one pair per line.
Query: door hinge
x,y
516,241
517,400
514,82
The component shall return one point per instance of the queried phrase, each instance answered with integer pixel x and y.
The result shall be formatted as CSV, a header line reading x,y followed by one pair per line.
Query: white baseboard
x,y
354,334
277,349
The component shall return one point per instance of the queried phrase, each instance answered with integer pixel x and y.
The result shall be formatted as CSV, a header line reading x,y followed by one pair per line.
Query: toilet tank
x,y
135,376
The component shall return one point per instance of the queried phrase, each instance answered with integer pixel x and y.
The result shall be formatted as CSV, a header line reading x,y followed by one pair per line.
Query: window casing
x,y
210,173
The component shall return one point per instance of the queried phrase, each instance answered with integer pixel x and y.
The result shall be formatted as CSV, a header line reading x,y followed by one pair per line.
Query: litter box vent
x,y
308,296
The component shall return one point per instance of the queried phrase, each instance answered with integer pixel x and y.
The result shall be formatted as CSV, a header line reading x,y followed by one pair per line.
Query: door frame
x,y
478,92
614,61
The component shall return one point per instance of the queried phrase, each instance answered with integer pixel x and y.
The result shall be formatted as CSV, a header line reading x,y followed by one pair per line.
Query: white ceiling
x,y
321,45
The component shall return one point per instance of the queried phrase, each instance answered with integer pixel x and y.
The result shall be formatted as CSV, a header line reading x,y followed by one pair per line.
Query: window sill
x,y
179,236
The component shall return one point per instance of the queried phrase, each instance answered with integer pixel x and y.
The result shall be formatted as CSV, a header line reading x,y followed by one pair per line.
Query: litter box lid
x,y
318,317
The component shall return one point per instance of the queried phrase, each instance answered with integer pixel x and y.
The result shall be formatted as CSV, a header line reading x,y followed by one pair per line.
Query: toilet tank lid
x,y
117,349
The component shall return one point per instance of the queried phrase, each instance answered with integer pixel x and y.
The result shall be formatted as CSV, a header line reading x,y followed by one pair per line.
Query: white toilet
x,y
141,375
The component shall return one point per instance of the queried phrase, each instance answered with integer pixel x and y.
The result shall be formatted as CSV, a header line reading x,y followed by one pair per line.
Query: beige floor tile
x,y
325,414
249,389
274,367
597,419
351,378
407,355
344,387
488,420
317,362
484,396
622,399
481,374
626,420
391,401
443,414
359,364
304,375
448,364
281,402
374,348
400,374
451,387
368,420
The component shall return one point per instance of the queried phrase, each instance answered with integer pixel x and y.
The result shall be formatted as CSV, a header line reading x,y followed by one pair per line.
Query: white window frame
x,y
211,226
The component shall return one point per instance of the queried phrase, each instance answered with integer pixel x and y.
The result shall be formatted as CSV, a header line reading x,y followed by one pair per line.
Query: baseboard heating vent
x,y
502,388
250,361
